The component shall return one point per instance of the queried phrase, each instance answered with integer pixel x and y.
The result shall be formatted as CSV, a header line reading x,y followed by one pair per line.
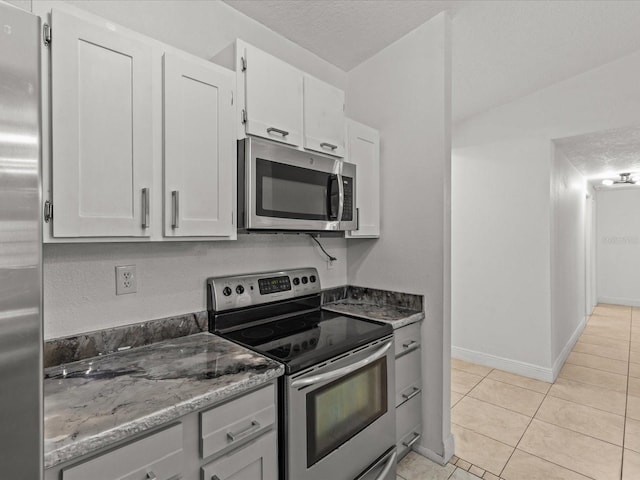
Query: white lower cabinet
x,y
408,387
233,440
158,456
256,460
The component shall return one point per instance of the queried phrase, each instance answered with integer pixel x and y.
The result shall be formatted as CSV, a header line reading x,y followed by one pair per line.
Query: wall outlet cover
x,y
126,279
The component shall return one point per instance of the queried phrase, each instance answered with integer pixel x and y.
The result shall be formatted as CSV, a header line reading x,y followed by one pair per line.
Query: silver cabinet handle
x,y
340,197
151,476
410,344
233,436
413,393
339,372
145,208
415,438
387,467
175,207
328,145
284,133
357,218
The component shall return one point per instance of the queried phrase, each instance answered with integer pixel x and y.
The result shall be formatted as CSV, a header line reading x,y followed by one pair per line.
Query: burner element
x,y
257,332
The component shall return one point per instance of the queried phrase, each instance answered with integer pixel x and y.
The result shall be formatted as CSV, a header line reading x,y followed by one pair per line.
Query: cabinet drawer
x,y
408,377
408,424
407,339
257,460
225,427
156,456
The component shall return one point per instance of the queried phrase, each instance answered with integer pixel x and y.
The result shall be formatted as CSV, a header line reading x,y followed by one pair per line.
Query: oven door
x,y
341,414
288,189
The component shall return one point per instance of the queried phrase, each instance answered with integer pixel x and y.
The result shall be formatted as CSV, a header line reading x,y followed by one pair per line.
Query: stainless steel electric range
x,y
336,409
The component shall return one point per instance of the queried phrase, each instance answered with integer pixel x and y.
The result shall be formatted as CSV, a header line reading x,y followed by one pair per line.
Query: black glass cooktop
x,y
304,340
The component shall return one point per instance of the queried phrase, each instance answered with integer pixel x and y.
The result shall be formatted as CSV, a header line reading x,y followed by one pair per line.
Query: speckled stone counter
x,y
397,316
96,402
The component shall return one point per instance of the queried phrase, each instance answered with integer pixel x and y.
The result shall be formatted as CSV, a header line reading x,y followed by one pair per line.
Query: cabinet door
x,y
199,148
255,461
101,129
273,96
363,149
323,117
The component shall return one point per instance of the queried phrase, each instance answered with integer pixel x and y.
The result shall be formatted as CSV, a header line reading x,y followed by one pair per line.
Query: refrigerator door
x,y
20,246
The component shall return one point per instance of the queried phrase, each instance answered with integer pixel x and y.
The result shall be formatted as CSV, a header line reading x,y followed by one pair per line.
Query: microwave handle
x,y
340,197
333,178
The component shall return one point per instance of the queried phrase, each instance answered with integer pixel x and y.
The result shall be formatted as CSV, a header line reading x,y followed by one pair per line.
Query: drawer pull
x,y
410,344
151,476
233,436
415,392
284,133
416,437
328,145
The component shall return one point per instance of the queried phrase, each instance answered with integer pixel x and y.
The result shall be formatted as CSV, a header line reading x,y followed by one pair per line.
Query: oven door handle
x,y
342,371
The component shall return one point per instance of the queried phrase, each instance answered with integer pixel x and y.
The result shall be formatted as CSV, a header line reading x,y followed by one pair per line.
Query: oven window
x,y
338,411
286,191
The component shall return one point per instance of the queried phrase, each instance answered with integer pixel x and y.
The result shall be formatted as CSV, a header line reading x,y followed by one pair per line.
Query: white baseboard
x,y
514,366
629,302
449,447
557,365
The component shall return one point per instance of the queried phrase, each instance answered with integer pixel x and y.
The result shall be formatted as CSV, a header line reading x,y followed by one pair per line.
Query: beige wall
x,y
404,92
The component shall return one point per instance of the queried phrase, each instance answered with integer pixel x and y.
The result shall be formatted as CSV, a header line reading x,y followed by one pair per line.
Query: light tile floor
x,y
584,426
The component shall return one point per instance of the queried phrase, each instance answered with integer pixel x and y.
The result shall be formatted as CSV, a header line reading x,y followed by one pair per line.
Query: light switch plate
x,y
126,279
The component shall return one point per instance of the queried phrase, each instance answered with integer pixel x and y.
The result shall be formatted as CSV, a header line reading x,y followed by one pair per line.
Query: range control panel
x,y
228,293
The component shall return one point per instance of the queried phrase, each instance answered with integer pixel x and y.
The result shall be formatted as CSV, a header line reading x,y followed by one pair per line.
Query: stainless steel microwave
x,y
281,188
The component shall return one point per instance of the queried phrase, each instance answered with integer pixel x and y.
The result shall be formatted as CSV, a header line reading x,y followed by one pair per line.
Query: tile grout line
x,y
523,433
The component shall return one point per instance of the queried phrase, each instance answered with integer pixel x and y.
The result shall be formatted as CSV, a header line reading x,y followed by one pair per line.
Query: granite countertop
x,y
395,315
96,402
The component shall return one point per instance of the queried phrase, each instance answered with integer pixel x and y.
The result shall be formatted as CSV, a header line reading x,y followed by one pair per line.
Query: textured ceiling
x,y
604,154
502,50
342,32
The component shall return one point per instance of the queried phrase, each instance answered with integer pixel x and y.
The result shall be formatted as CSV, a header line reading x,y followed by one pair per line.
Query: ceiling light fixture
x,y
625,179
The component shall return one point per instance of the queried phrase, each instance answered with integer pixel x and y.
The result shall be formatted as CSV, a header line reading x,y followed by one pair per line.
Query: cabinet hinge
x,y
243,61
46,34
48,211
244,116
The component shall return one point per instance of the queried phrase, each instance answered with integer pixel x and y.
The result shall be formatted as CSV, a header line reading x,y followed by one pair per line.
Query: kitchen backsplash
x,y
373,296
101,342
78,347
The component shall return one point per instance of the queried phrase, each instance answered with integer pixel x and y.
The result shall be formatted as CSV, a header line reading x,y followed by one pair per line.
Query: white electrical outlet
x,y
126,279
331,264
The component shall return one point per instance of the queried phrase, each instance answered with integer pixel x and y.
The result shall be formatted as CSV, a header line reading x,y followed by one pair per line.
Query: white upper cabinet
x,y
199,148
101,117
363,149
323,117
273,97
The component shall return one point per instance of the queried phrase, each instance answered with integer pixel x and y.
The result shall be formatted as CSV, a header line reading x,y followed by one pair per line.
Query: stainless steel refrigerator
x,y
20,247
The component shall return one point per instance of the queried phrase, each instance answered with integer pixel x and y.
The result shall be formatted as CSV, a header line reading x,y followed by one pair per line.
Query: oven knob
x,y
312,278
304,280
226,291
239,289
296,281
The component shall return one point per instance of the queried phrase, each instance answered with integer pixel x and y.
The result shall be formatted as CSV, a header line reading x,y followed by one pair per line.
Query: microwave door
x,y
292,190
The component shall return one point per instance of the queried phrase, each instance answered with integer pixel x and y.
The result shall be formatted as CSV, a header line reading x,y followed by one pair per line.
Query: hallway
x,y
584,426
